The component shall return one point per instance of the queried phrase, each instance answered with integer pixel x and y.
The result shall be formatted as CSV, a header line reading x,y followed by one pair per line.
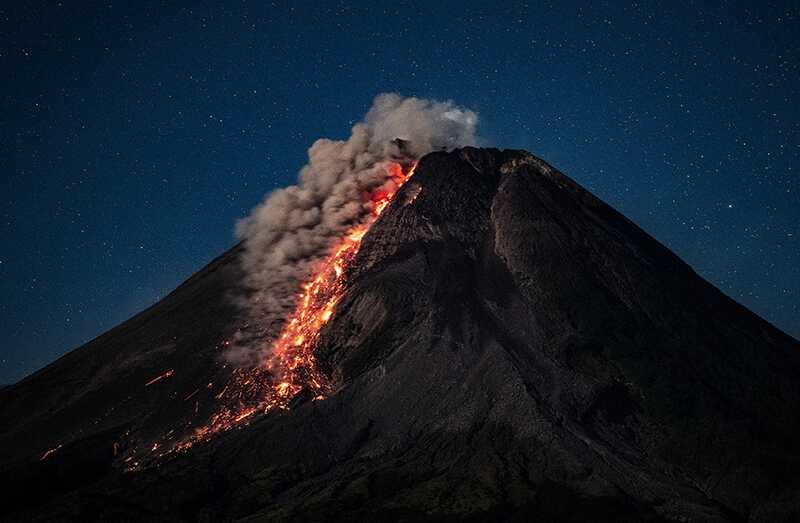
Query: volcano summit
x,y
504,346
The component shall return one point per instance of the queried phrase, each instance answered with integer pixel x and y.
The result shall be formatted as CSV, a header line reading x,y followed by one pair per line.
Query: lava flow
x,y
291,366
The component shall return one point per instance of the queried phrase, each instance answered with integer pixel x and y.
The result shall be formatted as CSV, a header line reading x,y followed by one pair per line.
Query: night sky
x,y
132,137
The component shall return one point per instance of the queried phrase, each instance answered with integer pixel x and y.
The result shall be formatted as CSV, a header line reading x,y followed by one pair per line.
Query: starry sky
x,y
133,135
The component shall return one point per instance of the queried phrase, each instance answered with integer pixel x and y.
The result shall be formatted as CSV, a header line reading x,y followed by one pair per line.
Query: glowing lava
x,y
291,367
49,453
167,374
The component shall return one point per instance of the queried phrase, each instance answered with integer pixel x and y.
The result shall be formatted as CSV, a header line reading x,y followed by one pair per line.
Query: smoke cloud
x,y
294,227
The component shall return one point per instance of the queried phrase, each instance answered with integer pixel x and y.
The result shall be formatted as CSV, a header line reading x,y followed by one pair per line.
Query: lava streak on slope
x,y
291,367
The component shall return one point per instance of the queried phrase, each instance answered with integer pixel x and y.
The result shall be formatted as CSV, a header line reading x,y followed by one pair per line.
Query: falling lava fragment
x,y
159,378
49,453
291,366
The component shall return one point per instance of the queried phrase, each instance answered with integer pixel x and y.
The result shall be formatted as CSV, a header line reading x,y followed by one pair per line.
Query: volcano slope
x,y
508,348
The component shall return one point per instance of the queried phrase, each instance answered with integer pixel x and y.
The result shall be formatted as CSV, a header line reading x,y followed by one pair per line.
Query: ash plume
x,y
294,227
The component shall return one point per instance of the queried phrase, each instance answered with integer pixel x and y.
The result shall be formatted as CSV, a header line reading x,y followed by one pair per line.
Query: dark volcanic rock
x,y
509,348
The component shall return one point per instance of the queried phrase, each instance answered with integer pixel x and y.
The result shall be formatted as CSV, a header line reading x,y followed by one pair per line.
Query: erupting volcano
x,y
487,341
289,366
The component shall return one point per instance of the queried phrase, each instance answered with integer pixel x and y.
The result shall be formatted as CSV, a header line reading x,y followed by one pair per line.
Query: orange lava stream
x,y
167,374
291,367
49,453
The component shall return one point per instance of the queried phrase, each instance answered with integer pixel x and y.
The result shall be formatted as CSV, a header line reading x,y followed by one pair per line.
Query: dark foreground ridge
x,y
509,348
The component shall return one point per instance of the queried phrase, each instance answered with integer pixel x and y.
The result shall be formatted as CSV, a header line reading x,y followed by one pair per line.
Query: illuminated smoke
x,y
295,227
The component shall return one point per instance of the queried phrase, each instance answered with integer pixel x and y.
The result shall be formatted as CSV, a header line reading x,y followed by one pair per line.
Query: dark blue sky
x,y
133,136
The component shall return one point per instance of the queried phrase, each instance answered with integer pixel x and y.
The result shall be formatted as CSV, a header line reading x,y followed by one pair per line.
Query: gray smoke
x,y
294,227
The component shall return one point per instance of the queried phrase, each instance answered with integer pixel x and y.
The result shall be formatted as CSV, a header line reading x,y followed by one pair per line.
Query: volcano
x,y
507,347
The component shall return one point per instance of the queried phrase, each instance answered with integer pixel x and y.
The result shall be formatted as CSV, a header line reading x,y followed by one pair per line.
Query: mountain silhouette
x,y
507,348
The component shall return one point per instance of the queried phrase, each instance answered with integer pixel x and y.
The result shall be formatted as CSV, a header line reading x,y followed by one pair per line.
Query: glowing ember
x,y
159,378
291,367
49,453
191,395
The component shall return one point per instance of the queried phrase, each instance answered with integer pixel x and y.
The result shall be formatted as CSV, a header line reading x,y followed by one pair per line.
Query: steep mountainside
x,y
508,348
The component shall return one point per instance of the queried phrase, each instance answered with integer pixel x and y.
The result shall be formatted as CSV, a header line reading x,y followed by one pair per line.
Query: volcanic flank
x,y
503,346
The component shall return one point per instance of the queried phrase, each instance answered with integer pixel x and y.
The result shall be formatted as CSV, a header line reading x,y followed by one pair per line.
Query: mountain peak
x,y
507,345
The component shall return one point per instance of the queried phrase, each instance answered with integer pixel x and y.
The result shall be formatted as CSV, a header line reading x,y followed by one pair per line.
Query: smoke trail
x,y
294,227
